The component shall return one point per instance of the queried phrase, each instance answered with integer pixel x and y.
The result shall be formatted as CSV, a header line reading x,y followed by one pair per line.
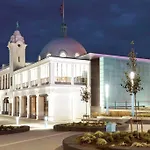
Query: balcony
x,y
25,85
45,81
63,80
80,81
18,86
34,83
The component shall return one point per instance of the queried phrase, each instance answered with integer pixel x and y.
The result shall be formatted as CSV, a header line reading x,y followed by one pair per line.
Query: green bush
x,y
127,139
87,138
109,138
99,134
116,136
101,142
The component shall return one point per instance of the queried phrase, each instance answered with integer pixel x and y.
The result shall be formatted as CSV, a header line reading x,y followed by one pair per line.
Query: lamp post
x,y
132,75
106,96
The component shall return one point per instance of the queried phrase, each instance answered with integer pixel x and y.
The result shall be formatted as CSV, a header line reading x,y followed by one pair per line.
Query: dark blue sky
x,y
102,26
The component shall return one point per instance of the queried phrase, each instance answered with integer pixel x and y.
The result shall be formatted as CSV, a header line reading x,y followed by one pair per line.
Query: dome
x,y
63,47
17,37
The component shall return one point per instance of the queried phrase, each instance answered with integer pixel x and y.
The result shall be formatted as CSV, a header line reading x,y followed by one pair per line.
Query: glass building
x,y
109,70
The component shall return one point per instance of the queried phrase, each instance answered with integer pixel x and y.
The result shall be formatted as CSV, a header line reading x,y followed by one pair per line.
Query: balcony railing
x,y
63,80
18,86
45,81
25,85
34,83
80,80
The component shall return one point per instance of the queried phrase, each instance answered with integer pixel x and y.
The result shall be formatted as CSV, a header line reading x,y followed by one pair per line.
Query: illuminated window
x,y
62,73
76,54
63,54
48,55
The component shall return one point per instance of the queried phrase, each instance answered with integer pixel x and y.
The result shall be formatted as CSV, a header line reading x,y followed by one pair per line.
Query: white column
x,y
29,78
37,107
13,106
39,75
28,106
50,99
72,74
51,69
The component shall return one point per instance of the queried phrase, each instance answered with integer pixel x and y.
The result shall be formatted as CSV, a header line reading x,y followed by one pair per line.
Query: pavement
x,y
40,137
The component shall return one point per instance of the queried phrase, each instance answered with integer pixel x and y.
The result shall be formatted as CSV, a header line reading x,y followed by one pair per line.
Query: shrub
x,y
101,141
148,131
116,136
127,139
87,138
99,134
109,138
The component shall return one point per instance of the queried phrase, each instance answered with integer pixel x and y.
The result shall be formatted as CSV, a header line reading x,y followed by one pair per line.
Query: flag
x,y
62,9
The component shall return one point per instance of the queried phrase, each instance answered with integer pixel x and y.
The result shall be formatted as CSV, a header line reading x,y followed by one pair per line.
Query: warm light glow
x,y
132,75
48,55
77,54
107,90
63,54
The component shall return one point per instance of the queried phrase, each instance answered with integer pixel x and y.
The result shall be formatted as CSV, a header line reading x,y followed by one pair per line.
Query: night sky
x,y
101,26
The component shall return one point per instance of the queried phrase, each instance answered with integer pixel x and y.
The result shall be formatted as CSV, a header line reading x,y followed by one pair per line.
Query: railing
x,y
18,86
80,80
127,105
45,81
34,83
63,80
25,85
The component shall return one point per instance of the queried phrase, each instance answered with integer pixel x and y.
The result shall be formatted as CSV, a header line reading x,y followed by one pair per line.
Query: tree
x,y
85,96
132,86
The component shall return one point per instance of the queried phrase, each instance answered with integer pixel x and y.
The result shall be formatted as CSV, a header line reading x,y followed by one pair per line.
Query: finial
x,y
17,25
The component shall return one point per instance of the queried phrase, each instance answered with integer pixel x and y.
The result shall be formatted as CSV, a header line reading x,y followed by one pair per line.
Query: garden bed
x,y
13,129
110,141
88,127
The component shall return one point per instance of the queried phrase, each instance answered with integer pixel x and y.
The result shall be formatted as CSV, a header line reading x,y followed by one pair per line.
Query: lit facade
x,y
49,87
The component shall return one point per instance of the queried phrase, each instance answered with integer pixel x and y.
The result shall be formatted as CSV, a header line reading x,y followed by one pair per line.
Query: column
x,y
50,99
52,72
39,75
72,74
29,78
28,106
37,109
13,106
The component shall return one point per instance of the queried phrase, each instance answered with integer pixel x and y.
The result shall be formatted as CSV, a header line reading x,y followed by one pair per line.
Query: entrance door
x,y
33,107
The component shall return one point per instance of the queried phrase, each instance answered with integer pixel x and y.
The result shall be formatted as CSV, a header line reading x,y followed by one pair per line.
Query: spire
x,y
17,25
63,24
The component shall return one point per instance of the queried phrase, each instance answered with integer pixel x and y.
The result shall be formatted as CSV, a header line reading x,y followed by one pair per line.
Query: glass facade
x,y
112,72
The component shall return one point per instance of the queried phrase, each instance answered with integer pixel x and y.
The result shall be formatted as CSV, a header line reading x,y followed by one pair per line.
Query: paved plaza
x,y
40,137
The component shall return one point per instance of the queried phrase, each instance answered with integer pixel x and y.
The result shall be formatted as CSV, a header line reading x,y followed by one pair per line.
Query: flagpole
x,y
63,11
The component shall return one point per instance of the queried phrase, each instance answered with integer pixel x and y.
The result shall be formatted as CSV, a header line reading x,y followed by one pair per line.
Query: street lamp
x,y
132,75
106,96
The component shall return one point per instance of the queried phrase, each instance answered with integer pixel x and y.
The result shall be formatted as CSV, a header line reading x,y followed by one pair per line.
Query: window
x,y
18,59
63,73
63,54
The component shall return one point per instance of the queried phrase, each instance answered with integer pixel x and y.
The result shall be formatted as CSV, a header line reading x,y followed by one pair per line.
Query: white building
x,y
49,87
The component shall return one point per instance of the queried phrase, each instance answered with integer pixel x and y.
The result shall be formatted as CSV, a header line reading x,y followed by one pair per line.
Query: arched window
x,y
63,53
